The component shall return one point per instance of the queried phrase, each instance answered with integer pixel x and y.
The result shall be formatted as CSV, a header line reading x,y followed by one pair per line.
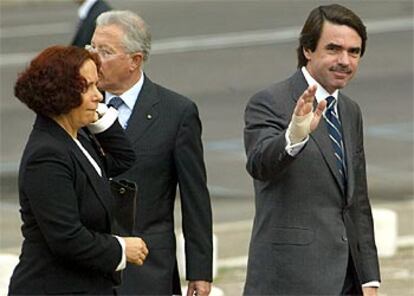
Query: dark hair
x,y
336,14
52,84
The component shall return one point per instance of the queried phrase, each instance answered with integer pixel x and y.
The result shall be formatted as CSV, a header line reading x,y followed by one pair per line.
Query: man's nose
x,y
343,58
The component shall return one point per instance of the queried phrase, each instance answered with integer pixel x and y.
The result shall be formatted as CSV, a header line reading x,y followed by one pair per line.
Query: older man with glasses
x,y
165,130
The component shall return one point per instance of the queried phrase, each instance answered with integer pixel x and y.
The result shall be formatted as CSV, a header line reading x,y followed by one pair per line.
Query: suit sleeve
x,y
195,199
48,183
264,137
120,155
368,257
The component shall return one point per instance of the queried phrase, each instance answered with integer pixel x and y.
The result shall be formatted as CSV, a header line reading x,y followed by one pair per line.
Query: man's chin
x,y
341,85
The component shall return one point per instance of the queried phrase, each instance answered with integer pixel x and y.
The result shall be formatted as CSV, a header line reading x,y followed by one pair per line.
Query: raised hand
x,y
304,118
305,105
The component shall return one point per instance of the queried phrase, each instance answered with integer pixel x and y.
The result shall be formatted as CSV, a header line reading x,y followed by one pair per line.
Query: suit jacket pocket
x,y
291,236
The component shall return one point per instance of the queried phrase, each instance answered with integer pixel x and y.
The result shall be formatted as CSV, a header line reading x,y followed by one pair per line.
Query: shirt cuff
x,y
294,149
105,122
122,263
371,284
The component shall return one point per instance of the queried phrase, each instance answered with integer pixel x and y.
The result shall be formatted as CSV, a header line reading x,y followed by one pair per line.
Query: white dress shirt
x,y
129,97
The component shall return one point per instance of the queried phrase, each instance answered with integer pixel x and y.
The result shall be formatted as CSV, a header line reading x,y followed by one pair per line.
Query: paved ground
x,y
233,238
397,281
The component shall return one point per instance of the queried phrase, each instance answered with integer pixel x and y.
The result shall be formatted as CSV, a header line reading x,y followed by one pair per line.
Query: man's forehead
x,y
109,29
106,34
340,35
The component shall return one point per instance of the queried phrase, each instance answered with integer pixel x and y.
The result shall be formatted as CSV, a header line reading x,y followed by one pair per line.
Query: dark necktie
x,y
335,134
115,102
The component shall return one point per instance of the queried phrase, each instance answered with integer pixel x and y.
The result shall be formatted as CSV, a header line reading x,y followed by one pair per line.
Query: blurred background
x,y
219,53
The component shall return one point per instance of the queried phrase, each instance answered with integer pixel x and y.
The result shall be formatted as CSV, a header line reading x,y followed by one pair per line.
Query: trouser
x,y
352,286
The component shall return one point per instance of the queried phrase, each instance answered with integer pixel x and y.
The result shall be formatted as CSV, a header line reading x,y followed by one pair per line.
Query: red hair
x,y
52,84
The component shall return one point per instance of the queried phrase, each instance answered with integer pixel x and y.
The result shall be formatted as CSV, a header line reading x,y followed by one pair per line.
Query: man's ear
x,y
137,60
307,53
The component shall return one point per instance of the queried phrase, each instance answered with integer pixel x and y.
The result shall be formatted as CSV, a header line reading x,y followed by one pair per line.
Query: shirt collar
x,y
130,96
84,8
321,93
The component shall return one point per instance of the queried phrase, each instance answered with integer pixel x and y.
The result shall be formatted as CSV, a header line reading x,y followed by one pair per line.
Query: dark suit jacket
x,y
86,27
306,223
165,131
66,210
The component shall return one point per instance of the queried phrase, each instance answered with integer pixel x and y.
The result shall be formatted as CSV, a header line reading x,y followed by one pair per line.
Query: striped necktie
x,y
115,102
335,134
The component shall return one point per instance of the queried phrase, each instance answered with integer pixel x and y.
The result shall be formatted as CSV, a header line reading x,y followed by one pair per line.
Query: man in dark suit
x,y
313,229
88,11
165,130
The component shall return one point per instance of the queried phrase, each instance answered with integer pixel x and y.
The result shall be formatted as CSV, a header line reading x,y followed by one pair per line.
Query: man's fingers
x,y
307,108
309,94
305,102
299,106
312,90
317,115
190,291
199,288
320,108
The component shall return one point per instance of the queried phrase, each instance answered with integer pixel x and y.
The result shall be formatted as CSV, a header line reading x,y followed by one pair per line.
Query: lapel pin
x,y
149,116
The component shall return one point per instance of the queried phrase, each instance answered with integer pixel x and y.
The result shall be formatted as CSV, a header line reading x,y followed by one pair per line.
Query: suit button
x,y
122,190
344,238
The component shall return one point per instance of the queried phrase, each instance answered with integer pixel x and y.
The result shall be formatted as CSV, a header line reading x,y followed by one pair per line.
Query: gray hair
x,y
137,36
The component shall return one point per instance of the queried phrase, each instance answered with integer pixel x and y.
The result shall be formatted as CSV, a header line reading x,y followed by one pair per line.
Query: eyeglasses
x,y
104,53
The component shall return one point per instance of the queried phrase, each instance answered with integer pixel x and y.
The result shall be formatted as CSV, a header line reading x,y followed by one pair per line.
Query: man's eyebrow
x,y
334,45
355,49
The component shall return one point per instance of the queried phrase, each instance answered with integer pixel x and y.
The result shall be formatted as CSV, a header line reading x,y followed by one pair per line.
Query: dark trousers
x,y
351,287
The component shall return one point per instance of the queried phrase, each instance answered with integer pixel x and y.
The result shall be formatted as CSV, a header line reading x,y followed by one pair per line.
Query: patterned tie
x,y
115,102
335,134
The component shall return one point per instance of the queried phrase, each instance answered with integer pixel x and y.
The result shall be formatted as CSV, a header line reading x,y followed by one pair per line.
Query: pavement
x,y
397,281
233,239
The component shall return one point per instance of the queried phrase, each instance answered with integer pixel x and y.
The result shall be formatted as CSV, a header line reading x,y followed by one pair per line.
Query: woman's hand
x,y
136,250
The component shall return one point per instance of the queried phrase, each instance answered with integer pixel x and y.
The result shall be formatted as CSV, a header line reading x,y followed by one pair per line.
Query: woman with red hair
x,y
66,204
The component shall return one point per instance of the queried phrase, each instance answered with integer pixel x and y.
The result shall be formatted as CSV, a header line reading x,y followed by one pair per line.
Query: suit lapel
x,y
345,115
320,135
145,111
94,178
298,85
57,132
